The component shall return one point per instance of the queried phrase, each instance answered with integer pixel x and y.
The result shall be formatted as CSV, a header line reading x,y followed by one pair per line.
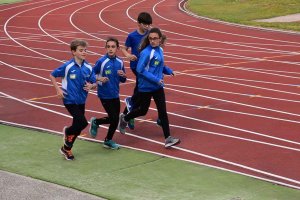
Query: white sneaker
x,y
122,124
171,141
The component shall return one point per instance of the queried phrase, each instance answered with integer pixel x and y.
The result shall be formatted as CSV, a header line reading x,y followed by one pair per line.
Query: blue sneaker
x,y
128,103
131,124
93,128
158,122
110,145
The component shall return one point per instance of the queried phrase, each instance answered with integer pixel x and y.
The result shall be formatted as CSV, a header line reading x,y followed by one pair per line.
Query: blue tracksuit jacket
x,y
74,77
108,67
151,69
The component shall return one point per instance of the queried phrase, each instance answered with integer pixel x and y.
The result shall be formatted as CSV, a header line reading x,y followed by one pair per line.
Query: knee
x,y
82,124
114,119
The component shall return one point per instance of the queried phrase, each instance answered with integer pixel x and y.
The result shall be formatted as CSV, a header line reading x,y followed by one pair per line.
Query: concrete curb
x,y
13,186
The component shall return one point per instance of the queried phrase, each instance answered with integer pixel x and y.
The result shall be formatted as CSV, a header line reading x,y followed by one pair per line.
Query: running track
x,y
234,102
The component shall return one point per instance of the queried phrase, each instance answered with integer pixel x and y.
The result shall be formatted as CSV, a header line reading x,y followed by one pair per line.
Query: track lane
x,y
159,135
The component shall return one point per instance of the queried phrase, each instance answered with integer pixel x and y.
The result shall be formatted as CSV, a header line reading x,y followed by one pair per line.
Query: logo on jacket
x,y
156,62
72,76
107,72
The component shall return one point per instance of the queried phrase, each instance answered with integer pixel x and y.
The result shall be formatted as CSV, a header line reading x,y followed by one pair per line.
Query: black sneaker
x,y
66,153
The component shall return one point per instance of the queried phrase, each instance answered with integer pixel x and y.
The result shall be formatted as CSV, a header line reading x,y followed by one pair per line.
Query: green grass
x,y
246,11
125,174
9,1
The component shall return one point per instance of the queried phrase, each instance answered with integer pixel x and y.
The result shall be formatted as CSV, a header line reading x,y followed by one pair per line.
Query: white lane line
x,y
140,119
243,50
154,7
176,126
226,33
240,84
179,148
234,102
23,81
184,9
6,31
234,93
169,56
251,80
152,152
240,56
210,107
23,5
193,118
16,68
53,30
24,56
47,13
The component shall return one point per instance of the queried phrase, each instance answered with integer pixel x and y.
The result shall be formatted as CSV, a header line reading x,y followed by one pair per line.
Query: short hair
x,y
113,39
144,18
77,42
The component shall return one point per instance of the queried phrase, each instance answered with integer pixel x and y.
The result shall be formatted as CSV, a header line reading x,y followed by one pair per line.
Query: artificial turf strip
x,y
9,1
125,174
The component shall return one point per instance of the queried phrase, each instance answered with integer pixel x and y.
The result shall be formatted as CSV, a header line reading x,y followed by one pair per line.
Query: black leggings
x,y
79,121
134,97
144,100
112,107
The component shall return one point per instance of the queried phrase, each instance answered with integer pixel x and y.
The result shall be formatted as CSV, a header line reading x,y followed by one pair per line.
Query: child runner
x,y
150,69
162,45
133,41
110,72
77,79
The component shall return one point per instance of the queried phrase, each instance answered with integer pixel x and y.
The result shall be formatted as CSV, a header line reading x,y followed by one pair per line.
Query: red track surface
x,y
234,102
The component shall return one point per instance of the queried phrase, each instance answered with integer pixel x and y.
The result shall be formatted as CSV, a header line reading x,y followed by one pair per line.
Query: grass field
x,y
129,174
126,174
246,11
9,1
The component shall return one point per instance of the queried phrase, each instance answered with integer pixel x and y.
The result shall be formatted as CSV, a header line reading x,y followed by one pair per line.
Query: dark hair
x,y
77,42
145,41
113,39
144,18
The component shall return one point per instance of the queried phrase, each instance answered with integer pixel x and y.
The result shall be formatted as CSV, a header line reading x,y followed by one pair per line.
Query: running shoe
x,y
131,124
93,130
122,124
171,141
110,145
66,153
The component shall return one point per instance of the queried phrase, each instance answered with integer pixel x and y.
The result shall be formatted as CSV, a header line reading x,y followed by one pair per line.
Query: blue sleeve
x,y
92,78
141,67
128,42
59,72
122,79
97,66
167,70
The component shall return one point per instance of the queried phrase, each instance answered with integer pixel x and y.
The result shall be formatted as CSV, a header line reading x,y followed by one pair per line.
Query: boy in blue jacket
x,y
133,40
77,79
110,71
151,70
